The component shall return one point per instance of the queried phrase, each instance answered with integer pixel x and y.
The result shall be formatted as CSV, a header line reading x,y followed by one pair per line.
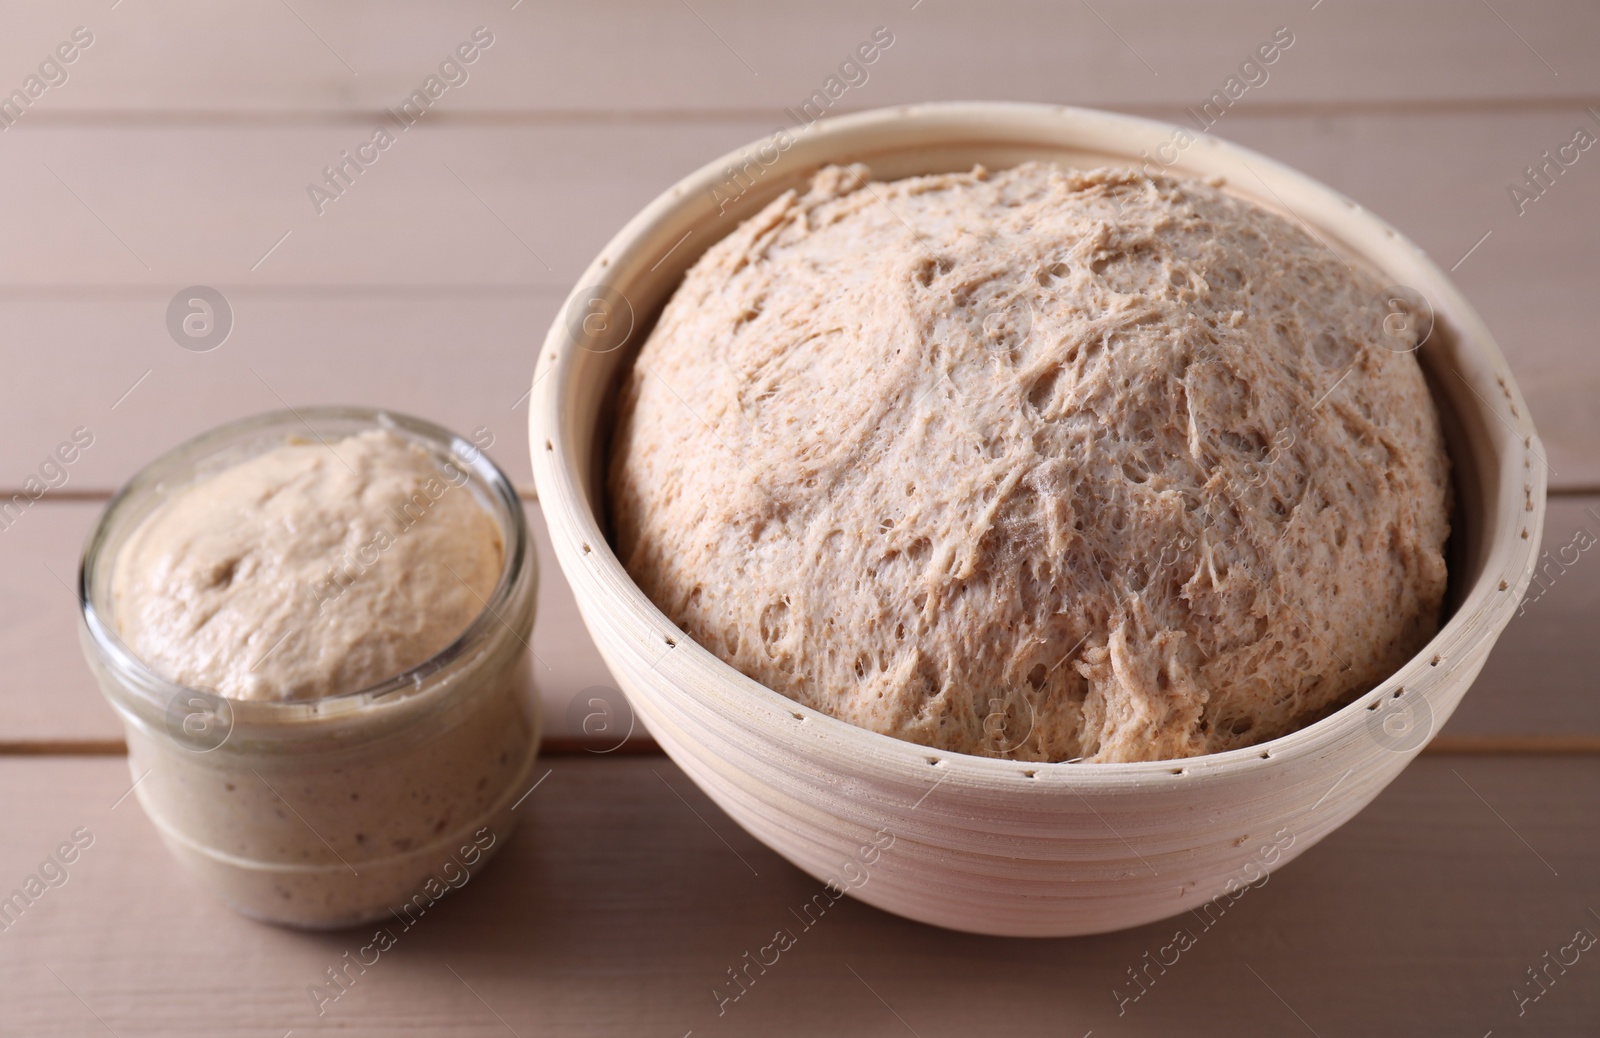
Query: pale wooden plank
x,y
462,359
175,205
203,203
1541,675
615,910
84,320
49,696
47,693
656,55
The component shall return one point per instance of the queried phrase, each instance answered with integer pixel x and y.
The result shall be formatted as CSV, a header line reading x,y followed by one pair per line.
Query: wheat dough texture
x,y
1044,464
308,570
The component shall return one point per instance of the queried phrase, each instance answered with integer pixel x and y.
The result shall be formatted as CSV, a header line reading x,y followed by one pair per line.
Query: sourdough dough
x,y
1041,463
308,570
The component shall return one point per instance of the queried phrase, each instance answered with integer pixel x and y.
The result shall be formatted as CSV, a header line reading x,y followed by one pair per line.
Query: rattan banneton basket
x,y
989,845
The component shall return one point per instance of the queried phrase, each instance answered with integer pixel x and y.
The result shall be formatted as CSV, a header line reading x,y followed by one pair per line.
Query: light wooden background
x,y
178,153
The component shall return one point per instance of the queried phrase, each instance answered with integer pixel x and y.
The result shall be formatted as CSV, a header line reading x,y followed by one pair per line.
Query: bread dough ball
x,y
1044,464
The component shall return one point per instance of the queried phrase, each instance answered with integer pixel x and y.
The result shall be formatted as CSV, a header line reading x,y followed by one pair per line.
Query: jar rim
x,y
157,691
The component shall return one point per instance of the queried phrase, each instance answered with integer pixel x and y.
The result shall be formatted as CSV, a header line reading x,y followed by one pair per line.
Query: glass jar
x,y
329,812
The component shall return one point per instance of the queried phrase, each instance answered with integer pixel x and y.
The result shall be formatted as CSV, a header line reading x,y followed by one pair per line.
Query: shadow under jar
x,y
328,812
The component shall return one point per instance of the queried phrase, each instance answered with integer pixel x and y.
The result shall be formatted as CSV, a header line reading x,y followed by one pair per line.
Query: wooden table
x,y
179,150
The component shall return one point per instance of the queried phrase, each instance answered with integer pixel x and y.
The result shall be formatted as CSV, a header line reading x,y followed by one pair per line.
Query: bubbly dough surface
x,y
308,570
1042,463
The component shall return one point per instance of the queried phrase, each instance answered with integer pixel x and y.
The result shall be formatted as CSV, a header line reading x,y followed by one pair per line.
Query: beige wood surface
x,y
658,56
410,291
625,896
178,153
